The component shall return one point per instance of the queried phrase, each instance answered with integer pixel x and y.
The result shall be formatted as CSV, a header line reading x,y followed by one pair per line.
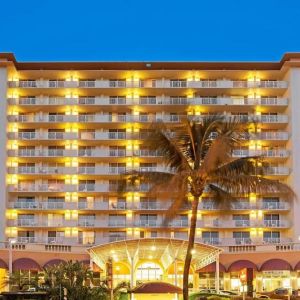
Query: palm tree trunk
x,y
188,257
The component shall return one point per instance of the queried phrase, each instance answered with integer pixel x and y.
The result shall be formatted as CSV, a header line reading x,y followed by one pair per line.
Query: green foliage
x,y
21,281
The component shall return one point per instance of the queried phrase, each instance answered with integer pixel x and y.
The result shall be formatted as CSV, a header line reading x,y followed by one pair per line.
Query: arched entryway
x,y
152,259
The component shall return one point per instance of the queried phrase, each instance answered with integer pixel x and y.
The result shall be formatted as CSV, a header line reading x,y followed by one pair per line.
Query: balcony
x,y
24,222
41,188
149,83
276,223
179,223
55,240
271,136
269,153
148,223
276,171
157,101
26,240
274,205
217,223
242,205
117,223
86,223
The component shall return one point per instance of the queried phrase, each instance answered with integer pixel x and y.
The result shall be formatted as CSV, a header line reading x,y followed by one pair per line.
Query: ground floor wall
x,y
271,269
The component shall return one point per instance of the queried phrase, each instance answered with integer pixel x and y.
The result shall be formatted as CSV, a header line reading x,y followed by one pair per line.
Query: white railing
x,y
281,170
150,83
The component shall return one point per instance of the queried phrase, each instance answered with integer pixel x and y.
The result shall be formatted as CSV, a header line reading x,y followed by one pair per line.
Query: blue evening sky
x,y
149,30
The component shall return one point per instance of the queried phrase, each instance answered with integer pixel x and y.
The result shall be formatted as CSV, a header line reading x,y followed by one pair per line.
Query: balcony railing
x,y
276,170
157,101
26,240
275,223
149,83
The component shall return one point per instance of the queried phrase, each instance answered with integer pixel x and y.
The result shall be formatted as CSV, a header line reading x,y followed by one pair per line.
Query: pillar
x,y
196,281
175,273
217,284
132,275
227,284
294,283
259,282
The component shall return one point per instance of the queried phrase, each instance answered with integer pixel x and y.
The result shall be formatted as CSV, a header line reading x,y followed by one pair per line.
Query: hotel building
x,y
70,129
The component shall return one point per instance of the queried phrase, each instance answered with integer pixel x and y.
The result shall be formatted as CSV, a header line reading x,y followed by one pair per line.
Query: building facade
x,y
69,130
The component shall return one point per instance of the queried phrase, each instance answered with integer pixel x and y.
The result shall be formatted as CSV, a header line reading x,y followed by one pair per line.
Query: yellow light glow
x,y
67,232
75,179
74,215
74,232
67,215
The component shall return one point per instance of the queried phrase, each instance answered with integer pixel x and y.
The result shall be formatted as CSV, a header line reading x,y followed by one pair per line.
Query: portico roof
x,y
165,250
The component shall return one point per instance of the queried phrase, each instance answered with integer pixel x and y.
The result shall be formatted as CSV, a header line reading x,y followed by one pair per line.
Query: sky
x,y
149,30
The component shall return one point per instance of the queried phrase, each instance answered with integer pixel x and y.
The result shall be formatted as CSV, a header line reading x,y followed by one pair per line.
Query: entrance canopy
x,y
164,250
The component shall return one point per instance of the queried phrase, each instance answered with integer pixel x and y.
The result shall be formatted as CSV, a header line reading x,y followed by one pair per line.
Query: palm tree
x,y
198,157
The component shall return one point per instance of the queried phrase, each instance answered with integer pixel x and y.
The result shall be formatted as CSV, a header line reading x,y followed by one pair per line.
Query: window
x,y
86,220
178,83
210,237
241,220
86,237
241,237
271,220
56,237
148,203
116,236
26,220
270,202
148,220
271,237
182,235
55,219
26,237
117,100
117,220
55,202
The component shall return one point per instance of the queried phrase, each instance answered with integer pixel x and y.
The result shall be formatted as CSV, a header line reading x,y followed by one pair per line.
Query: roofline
x,y
220,250
148,65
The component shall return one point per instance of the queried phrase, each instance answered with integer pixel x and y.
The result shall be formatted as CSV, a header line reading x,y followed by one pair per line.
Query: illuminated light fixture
x,y
150,257
153,248
180,268
112,251
193,251
117,268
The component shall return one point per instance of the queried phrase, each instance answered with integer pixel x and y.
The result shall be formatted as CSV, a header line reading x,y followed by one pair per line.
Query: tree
x,y
72,281
20,280
198,156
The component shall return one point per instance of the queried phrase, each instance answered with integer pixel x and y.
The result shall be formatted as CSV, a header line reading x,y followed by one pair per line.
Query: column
x,y
175,273
217,284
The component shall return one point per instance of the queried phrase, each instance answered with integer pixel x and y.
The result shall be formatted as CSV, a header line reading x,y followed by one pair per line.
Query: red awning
x,y
157,288
3,264
275,265
211,268
26,264
53,262
241,264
